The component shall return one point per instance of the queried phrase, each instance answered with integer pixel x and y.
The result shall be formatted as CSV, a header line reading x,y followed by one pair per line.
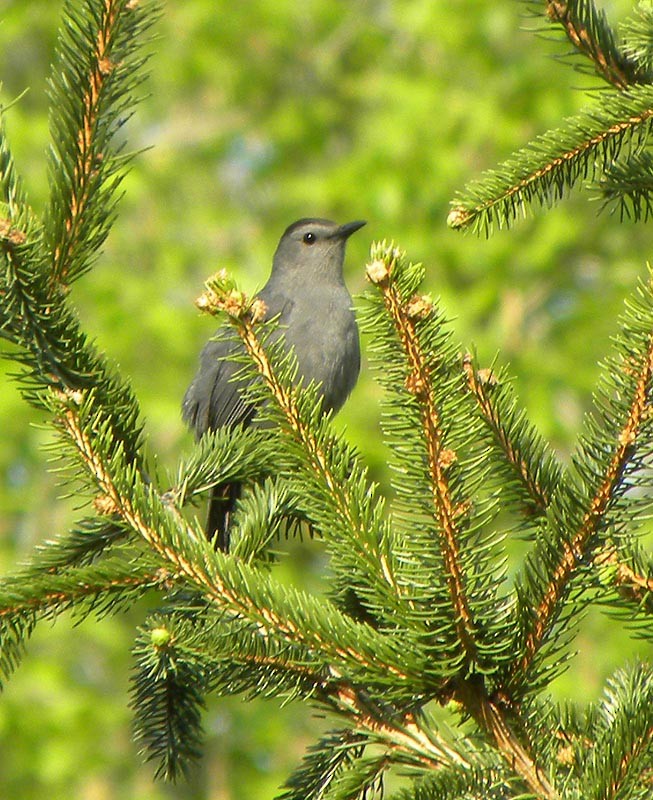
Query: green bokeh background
x,y
258,113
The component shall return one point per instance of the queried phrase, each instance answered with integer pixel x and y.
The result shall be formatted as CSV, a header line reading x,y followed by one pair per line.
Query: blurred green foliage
x,y
258,113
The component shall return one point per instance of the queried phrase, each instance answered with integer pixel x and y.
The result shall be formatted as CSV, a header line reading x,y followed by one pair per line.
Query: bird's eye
x,y
309,238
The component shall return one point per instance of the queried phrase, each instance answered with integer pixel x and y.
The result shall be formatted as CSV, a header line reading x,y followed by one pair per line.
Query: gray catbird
x,y
307,292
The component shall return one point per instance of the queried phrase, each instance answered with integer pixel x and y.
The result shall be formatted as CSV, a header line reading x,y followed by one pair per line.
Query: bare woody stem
x,y
82,179
574,550
419,383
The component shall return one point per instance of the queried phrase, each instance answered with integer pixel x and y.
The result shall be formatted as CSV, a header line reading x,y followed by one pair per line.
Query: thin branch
x,y
609,63
83,179
214,583
630,585
480,386
420,384
61,592
574,550
546,169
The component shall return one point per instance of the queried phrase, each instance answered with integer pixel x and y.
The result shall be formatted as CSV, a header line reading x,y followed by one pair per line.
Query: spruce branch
x,y
98,66
546,169
420,384
98,588
623,738
81,546
633,584
29,596
531,464
635,373
322,762
636,33
346,509
55,352
487,781
223,580
590,33
627,187
11,191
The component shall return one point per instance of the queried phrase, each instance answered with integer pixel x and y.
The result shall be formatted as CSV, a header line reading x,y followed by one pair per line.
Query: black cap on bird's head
x,y
313,247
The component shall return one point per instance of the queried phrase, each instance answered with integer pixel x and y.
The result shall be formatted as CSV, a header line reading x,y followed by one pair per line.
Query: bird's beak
x,y
345,231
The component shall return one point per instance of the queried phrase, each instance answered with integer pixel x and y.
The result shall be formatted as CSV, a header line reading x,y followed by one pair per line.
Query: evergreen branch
x,y
575,548
628,186
419,384
359,779
29,596
320,765
81,546
167,698
636,32
14,632
94,588
530,463
96,69
549,166
590,33
11,191
630,584
491,717
259,517
52,346
340,501
228,583
482,782
623,746
223,456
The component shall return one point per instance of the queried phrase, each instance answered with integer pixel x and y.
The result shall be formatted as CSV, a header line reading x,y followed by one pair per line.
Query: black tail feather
x,y
221,506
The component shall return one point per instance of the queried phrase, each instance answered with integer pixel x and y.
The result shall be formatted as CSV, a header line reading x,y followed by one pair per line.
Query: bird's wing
x,y
215,396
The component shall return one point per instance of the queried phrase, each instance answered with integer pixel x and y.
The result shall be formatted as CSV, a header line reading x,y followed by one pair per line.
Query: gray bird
x,y
307,292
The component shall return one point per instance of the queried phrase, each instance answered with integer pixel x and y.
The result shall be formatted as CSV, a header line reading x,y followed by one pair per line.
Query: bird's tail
x,y
221,506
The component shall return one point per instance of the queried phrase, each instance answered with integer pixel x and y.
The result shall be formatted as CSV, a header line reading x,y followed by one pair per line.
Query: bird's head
x,y
313,248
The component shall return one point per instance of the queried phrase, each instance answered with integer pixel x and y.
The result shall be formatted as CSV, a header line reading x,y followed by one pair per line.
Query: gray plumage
x,y
306,290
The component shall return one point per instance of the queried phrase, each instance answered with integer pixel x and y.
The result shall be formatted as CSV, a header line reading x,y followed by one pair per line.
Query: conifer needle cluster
x,y
420,612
